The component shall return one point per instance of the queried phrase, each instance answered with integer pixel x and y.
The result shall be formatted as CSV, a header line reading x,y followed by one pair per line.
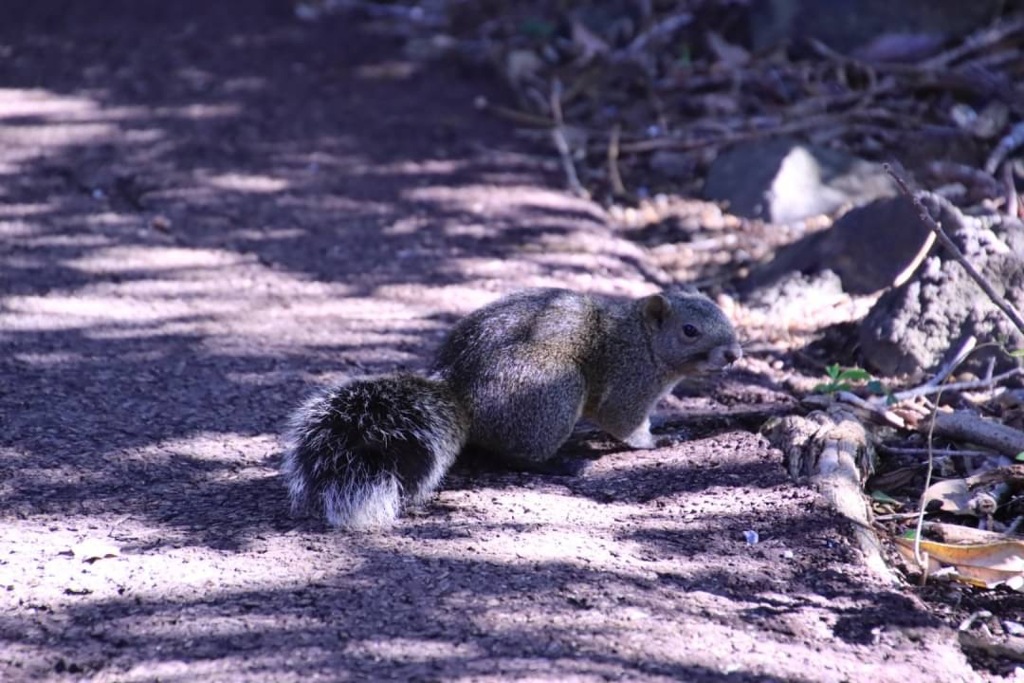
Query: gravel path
x,y
206,210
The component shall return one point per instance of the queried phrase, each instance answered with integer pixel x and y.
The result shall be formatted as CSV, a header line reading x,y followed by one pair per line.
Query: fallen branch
x,y
964,426
834,450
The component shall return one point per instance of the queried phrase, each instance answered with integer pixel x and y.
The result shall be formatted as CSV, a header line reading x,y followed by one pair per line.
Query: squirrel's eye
x,y
690,331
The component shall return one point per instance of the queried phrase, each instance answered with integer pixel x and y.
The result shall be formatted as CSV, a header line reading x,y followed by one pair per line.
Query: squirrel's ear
x,y
657,309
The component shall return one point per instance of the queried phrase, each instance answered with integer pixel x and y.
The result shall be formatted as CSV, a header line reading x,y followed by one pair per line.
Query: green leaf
x,y
1019,353
824,388
855,374
875,387
1019,457
883,497
833,370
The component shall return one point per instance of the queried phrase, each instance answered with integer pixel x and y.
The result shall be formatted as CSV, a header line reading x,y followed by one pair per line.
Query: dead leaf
x,y
979,564
953,495
92,549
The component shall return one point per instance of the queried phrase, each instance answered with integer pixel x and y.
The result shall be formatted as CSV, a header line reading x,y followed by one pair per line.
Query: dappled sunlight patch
x,y
53,136
41,313
50,359
517,201
420,168
63,577
248,183
37,102
9,211
36,240
412,649
225,447
528,526
121,259
463,298
199,112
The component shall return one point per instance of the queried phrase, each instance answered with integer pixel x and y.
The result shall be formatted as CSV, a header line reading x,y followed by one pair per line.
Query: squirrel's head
x,y
689,334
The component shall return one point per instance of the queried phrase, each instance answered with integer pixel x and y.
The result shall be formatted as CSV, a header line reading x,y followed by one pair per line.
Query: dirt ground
x,y
207,209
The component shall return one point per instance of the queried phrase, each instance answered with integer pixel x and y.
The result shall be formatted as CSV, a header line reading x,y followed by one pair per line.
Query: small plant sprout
x,y
843,379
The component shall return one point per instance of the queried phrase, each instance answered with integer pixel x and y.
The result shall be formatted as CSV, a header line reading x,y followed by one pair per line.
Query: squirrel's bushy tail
x,y
361,452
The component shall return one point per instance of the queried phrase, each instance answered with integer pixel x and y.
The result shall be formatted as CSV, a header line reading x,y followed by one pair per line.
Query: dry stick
x,y
982,39
515,115
965,426
618,189
561,144
940,452
1005,306
1012,201
877,412
967,385
922,557
878,407
686,144
1007,144
918,259
945,371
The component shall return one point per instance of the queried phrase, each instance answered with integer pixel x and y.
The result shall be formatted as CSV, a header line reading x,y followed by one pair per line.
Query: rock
x,y
868,248
870,29
792,295
913,328
782,180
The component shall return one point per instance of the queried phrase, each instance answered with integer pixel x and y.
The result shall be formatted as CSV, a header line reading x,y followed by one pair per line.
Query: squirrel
x,y
509,383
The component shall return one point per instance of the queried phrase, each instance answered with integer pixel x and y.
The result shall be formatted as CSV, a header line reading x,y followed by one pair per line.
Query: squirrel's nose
x,y
733,354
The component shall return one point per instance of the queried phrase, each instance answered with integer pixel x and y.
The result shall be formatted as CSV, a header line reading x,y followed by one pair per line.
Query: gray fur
x,y
527,367
511,379
330,438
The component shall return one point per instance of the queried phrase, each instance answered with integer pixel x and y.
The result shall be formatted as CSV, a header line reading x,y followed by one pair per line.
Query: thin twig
x,y
922,254
562,144
895,517
966,385
966,348
1010,188
524,118
878,412
618,189
980,40
919,556
1005,306
819,121
938,452
1007,144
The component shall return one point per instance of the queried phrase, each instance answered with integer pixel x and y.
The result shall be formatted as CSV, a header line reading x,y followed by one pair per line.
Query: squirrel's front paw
x,y
644,440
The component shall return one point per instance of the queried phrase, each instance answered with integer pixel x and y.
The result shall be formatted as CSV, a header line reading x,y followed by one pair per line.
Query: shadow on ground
x,y
206,208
